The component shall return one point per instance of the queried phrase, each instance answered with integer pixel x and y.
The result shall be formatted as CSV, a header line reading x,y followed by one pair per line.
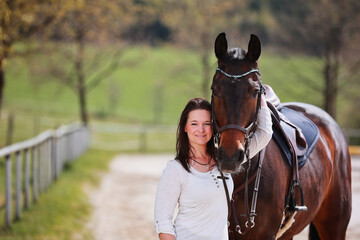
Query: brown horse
x,y
325,178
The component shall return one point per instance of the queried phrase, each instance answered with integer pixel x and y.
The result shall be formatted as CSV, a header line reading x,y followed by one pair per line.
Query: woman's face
x,y
198,127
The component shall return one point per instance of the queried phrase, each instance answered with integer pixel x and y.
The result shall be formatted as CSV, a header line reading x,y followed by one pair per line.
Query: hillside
x,y
151,86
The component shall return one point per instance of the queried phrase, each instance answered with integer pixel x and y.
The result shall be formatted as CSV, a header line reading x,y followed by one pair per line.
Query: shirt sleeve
x,y
167,195
263,133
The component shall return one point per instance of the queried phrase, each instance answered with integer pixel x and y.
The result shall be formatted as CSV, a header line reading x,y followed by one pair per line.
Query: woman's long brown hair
x,y
183,148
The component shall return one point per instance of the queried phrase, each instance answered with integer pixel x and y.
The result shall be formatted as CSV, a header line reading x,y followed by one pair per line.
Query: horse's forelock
x,y
236,53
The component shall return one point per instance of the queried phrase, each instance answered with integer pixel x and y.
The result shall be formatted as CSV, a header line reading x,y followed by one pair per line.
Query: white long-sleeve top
x,y
200,197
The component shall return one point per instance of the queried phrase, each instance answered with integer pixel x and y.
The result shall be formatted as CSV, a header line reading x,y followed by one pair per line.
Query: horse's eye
x,y
255,93
215,91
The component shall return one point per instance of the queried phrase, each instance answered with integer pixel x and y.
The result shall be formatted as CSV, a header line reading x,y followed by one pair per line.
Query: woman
x,y
191,180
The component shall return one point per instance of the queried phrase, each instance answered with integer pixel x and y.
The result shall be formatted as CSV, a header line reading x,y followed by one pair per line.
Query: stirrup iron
x,y
292,205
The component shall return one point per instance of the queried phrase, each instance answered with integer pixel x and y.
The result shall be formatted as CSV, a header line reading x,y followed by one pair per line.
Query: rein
x,y
250,214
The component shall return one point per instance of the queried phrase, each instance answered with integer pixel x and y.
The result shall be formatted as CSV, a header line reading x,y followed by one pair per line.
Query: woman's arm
x,y
167,195
263,133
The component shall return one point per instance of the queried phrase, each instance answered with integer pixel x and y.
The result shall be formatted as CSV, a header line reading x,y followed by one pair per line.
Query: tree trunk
x,y
331,89
206,74
79,65
333,45
2,83
82,100
10,130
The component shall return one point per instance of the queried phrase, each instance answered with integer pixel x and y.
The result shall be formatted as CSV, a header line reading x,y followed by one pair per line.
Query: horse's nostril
x,y
241,156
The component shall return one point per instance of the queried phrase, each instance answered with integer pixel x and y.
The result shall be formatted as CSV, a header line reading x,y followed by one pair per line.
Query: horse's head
x,y
236,96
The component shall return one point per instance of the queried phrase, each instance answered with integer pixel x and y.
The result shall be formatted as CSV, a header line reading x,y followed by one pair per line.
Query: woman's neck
x,y
199,153
201,160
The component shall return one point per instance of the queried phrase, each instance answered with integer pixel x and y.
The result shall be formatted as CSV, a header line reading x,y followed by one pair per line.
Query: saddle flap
x,y
291,127
295,136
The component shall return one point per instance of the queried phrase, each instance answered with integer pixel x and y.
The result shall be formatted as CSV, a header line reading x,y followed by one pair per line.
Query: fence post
x,y
35,174
27,178
18,185
41,167
48,163
142,139
61,152
8,191
55,158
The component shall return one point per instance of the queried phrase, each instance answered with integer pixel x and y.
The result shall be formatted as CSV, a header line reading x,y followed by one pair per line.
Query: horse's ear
x,y
254,48
221,47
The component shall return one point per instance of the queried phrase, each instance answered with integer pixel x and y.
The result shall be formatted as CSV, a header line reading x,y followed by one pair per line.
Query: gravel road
x,y
123,203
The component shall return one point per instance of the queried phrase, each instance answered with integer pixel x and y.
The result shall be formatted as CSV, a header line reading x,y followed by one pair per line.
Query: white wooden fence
x,y
29,167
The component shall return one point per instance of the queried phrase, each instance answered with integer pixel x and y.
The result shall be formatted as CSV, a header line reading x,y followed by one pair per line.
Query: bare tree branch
x,y
101,75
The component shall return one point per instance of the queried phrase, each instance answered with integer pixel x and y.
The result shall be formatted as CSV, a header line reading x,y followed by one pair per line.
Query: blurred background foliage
x,y
139,61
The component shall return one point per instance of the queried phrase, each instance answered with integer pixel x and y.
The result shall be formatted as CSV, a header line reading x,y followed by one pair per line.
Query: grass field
x,y
151,85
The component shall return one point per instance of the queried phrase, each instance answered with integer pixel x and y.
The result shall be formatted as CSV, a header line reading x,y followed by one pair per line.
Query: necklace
x,y
203,164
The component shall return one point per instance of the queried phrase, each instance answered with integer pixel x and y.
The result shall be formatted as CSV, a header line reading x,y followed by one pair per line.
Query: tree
x,y
196,23
20,19
326,29
83,24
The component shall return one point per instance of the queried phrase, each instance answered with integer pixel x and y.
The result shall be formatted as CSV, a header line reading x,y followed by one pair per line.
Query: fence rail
x,y
133,137
29,167
161,138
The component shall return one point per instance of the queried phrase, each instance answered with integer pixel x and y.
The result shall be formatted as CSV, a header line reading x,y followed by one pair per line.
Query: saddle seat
x,y
291,128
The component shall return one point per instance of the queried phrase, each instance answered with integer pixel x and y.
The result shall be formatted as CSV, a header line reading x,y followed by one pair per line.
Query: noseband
x,y
249,130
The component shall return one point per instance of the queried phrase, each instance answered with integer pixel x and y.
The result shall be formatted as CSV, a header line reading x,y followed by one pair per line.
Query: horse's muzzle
x,y
229,164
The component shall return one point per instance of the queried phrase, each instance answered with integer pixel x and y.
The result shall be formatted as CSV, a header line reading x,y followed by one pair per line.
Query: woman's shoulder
x,y
175,167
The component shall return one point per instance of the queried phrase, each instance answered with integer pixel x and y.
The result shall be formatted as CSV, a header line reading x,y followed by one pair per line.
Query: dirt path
x,y
123,203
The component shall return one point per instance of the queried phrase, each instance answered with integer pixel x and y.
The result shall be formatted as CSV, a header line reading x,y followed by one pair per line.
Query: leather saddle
x,y
292,130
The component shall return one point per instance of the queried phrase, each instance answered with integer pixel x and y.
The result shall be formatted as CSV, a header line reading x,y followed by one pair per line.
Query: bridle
x,y
249,130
